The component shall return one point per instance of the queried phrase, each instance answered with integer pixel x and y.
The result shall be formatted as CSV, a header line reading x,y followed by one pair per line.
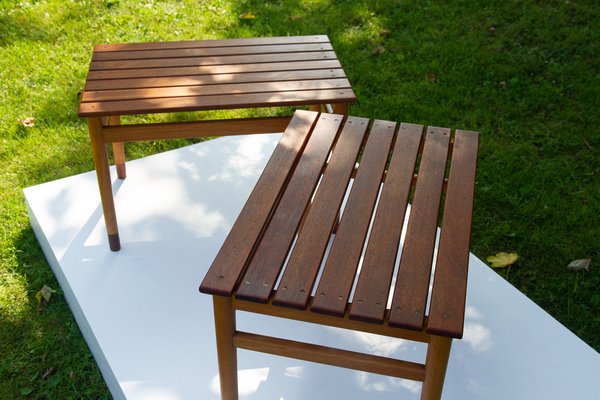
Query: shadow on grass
x,y
42,347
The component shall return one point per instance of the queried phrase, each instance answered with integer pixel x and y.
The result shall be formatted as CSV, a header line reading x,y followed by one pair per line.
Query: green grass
x,y
524,73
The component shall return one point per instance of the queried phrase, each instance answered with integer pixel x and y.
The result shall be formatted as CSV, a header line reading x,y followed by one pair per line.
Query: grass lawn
x,y
526,74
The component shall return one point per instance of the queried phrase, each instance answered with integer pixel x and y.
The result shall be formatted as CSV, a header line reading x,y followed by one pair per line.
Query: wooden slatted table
x,y
168,77
346,183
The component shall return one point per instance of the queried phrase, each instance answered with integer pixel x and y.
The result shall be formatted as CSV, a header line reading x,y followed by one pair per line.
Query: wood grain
x,y
211,51
340,268
211,90
297,281
220,71
373,286
214,79
194,129
330,356
263,270
447,309
412,284
211,43
214,60
229,101
343,321
231,260
225,328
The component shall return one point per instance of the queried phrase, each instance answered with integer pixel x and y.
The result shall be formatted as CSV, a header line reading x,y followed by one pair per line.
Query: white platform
x,y
151,331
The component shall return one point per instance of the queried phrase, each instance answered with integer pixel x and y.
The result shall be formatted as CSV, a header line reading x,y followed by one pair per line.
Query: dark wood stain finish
x,y
373,286
339,270
147,78
301,271
288,202
447,309
412,284
262,272
239,244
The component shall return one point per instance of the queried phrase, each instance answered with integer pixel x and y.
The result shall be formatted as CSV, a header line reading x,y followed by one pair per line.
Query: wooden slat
x,y
214,102
217,70
216,60
190,44
260,277
296,283
447,309
343,321
210,51
373,286
412,284
238,246
329,356
338,274
210,90
192,80
194,129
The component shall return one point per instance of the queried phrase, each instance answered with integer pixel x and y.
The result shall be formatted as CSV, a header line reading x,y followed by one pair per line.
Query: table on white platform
x,y
151,333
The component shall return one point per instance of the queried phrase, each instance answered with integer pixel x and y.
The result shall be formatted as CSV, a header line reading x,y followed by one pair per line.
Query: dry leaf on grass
x,y
378,50
431,77
247,15
27,122
578,265
45,293
502,259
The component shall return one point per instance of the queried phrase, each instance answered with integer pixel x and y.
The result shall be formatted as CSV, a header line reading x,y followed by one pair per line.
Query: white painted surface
x,y
151,331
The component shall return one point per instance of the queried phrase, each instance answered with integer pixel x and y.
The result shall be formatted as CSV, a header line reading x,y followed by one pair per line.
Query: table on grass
x,y
170,77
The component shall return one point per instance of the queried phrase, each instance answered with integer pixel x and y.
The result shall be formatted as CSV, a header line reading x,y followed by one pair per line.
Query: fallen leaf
x,y
378,50
431,77
502,259
578,265
45,293
247,15
47,373
27,122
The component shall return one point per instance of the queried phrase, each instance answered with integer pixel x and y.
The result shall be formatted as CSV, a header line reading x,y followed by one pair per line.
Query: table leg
x,y
340,108
226,351
100,155
438,353
118,150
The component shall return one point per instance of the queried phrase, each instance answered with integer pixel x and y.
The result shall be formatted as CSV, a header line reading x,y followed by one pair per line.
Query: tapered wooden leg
x,y
118,150
436,362
340,108
226,351
104,182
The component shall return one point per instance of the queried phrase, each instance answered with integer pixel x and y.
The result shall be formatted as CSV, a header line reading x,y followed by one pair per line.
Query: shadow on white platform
x,y
151,331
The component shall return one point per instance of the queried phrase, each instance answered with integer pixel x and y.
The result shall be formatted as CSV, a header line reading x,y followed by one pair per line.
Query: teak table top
x,y
145,78
347,182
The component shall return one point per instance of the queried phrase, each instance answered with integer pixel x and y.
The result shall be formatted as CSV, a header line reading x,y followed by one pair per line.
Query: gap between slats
x,y
191,44
339,273
208,70
213,79
210,51
232,101
212,90
403,235
211,61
